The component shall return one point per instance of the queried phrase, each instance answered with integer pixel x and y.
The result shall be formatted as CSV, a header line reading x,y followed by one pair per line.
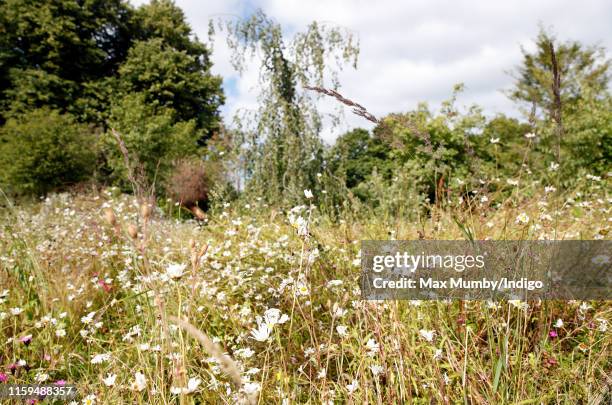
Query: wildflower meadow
x,y
155,249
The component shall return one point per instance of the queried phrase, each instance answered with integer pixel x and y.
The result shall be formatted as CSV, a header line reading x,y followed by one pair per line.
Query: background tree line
x,y
72,71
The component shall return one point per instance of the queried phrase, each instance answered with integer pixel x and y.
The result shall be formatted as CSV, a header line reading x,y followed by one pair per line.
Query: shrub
x,y
152,136
44,150
189,183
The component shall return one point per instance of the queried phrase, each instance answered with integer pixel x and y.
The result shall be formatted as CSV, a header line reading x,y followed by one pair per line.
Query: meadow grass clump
x,y
258,306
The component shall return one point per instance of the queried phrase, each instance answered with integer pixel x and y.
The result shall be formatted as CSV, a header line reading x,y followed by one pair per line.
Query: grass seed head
x,y
145,211
132,231
110,217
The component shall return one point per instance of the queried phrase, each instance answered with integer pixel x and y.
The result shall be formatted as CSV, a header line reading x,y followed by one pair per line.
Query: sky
x,y
411,51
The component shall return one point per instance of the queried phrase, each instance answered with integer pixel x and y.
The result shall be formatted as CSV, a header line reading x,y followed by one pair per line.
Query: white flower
x,y
302,288
553,166
192,386
89,399
559,323
60,333
140,381
251,388
438,354
338,311
522,218
175,271
300,224
494,140
109,380
372,347
273,317
16,311
41,377
512,182
600,260
530,135
522,305
352,387
376,369
262,332
88,318
308,194
100,358
334,283
603,325
427,334
245,353
550,189
341,329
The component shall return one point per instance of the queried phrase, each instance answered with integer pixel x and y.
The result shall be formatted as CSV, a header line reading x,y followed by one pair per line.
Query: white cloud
x,y
414,51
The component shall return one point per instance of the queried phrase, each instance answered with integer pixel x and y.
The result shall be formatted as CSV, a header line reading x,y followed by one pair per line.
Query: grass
x,y
258,306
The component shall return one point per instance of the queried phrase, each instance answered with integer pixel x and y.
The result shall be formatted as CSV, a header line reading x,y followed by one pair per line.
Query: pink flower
x,y
552,334
60,382
26,340
103,284
3,377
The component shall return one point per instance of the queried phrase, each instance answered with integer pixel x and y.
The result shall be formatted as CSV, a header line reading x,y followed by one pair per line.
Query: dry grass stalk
x,y
135,172
358,109
361,111
227,364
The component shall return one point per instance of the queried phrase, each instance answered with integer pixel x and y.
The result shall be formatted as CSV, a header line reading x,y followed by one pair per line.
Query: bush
x,y
43,150
189,183
152,136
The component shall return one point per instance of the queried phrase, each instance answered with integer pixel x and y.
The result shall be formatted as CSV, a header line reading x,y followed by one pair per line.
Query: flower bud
x,y
132,231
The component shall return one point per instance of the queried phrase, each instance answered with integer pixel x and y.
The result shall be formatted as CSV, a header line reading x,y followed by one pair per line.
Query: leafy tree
x,y
152,135
49,48
568,82
94,58
581,69
43,150
356,154
286,127
502,145
173,79
163,19
435,148
589,140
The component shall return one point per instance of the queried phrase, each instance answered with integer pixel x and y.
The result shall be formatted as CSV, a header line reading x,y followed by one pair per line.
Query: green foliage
x,y
356,154
282,136
88,58
435,148
582,68
175,79
43,150
588,143
48,48
152,135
